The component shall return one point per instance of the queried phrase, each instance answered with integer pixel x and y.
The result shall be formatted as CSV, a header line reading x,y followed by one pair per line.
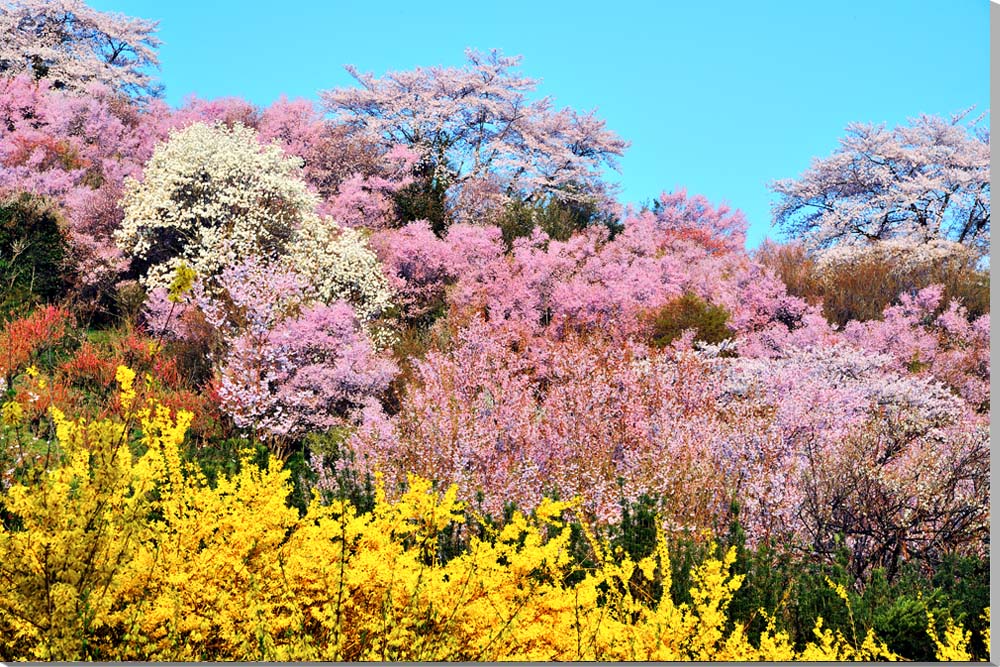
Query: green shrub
x,y
688,312
558,219
33,254
424,199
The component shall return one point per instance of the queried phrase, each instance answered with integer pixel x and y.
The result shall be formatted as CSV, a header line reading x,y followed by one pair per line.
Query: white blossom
x,y
211,196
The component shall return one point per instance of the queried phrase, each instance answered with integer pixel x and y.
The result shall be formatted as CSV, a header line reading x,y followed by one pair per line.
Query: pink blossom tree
x,y
510,417
73,46
926,337
418,265
476,124
287,363
927,180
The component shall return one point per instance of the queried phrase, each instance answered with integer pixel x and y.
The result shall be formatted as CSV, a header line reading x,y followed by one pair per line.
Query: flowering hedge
x,y
123,551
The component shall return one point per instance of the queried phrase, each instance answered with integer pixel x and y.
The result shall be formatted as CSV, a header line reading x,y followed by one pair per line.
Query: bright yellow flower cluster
x,y
955,643
121,556
125,377
181,282
11,414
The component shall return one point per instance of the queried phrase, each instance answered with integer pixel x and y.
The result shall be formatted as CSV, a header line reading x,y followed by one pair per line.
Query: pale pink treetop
x,y
476,122
74,45
923,181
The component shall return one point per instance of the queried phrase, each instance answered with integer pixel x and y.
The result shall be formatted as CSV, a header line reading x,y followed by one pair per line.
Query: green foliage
x,y
129,299
556,218
559,219
424,199
796,590
688,312
33,253
223,457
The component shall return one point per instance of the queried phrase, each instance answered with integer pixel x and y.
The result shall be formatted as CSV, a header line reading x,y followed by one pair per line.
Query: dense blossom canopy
x,y
428,304
925,181
74,45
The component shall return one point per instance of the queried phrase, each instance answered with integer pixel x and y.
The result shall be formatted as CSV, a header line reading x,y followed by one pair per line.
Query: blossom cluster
x,y
211,195
185,569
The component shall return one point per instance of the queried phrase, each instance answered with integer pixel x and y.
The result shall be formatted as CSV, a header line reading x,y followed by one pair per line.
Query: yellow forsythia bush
x,y
123,551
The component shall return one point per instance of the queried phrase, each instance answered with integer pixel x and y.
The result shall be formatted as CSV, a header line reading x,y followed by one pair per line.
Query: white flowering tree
x,y
74,45
210,196
925,181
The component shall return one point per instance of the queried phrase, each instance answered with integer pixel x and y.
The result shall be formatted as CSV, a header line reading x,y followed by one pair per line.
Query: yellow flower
x,y
183,279
11,413
31,371
125,376
838,589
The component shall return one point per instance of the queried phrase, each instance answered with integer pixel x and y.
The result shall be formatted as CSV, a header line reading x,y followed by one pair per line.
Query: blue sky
x,y
719,97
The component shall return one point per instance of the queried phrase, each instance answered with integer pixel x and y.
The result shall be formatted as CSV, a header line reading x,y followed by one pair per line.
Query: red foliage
x,y
88,368
23,339
44,152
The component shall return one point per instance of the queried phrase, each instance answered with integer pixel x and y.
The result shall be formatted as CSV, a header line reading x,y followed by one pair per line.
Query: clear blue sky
x,y
718,96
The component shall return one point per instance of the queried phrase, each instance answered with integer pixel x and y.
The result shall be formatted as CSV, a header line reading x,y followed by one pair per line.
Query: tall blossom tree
x,y
924,181
73,46
476,124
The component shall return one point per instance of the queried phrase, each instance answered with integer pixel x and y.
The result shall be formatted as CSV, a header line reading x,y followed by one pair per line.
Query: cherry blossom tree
x,y
476,125
76,149
74,45
927,180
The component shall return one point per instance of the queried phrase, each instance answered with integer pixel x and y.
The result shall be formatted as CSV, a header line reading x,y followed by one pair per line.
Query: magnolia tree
x,y
354,178
211,195
479,136
338,264
74,45
925,181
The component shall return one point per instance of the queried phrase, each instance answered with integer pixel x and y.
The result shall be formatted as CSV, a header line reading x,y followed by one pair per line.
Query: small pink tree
x,y
288,364
77,150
